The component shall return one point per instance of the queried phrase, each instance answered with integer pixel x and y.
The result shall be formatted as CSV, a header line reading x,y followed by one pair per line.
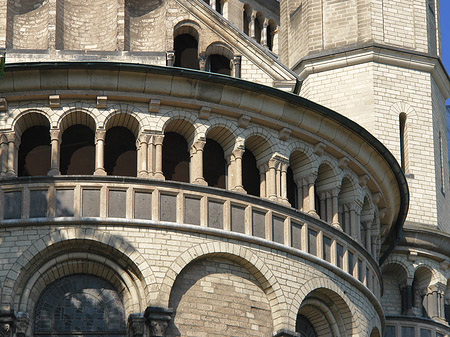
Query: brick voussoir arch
x,y
314,284
17,274
240,255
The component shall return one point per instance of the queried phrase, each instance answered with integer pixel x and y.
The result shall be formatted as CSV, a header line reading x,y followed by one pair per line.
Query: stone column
x,y
300,196
3,155
407,295
284,196
158,319
252,29
12,154
55,138
323,206
202,62
335,208
237,66
196,165
435,300
263,181
264,33
272,179
311,195
158,142
143,155
212,3
236,162
99,152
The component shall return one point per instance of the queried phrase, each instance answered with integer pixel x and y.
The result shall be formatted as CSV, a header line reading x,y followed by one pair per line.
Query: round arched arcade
x,y
145,189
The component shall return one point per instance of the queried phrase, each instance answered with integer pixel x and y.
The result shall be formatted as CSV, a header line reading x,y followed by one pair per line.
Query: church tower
x,y
379,63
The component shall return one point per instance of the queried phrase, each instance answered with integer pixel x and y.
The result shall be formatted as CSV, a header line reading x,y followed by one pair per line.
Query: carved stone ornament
x,y
23,320
158,319
136,323
7,319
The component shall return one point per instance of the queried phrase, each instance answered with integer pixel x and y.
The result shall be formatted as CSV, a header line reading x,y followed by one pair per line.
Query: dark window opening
x,y
402,124
219,64
176,157
34,152
77,150
80,305
257,30
186,51
246,22
304,327
219,6
214,164
269,38
250,173
292,192
120,152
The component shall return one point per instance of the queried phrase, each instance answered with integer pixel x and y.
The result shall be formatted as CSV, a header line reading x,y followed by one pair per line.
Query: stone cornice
x,y
378,54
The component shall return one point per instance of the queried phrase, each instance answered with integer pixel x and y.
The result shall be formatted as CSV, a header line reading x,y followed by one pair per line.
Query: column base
x,y
11,174
99,172
53,172
200,181
143,174
239,189
314,213
159,176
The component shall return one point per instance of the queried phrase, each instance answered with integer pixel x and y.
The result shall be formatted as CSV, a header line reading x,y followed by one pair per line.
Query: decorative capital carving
x,y
55,134
136,322
170,58
158,319
100,135
237,153
7,325
198,145
286,333
23,321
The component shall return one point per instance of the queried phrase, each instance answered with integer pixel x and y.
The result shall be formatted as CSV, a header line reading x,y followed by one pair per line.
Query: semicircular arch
x,y
240,255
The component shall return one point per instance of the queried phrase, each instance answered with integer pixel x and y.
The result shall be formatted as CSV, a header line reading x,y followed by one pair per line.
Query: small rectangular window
x,y
327,249
312,242
340,255
390,331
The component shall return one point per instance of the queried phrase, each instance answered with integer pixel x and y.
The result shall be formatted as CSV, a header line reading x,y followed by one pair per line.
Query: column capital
x,y
238,152
170,58
198,145
55,134
100,135
158,139
136,322
11,137
286,333
158,319
22,324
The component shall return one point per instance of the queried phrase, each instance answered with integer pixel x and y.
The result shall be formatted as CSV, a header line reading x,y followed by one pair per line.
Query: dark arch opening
x,y
250,173
214,164
402,127
120,152
269,34
258,30
176,157
246,20
186,51
80,305
77,150
291,188
34,152
304,327
219,64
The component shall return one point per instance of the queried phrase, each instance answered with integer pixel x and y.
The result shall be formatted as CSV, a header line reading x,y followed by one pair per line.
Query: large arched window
x,y
78,150
175,157
120,152
34,152
186,51
80,305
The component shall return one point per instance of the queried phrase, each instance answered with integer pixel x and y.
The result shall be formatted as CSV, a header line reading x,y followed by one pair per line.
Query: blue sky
x,y
445,34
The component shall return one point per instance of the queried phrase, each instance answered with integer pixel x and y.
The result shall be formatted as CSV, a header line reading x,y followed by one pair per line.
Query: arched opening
x,y
218,6
271,27
292,189
324,313
218,59
176,157
423,304
218,64
259,19
80,304
246,19
325,182
186,51
346,198
189,297
367,217
34,152
120,152
397,296
214,164
77,150
250,173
